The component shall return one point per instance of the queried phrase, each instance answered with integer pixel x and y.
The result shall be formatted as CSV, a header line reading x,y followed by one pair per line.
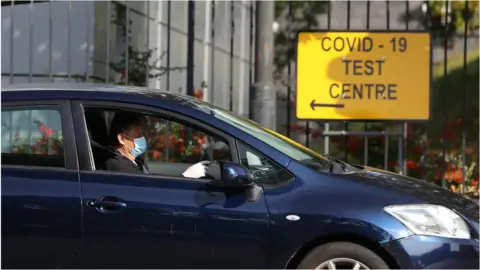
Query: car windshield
x,y
285,145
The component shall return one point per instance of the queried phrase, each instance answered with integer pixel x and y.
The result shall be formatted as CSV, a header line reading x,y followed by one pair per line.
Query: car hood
x,y
421,190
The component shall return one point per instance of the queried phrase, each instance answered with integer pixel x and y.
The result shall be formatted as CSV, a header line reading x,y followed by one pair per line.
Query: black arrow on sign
x,y
313,105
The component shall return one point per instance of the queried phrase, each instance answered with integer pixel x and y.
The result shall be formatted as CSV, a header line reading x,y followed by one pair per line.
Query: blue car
x,y
266,202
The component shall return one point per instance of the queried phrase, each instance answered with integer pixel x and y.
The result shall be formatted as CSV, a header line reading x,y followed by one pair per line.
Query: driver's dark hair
x,y
123,122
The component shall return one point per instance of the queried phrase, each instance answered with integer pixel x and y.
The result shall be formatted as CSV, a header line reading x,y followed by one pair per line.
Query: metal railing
x,y
421,166
181,46
176,46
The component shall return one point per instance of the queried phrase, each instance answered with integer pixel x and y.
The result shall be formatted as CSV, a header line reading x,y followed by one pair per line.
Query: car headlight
x,y
432,220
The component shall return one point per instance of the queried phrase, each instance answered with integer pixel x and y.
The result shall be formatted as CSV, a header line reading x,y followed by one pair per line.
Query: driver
x,y
128,142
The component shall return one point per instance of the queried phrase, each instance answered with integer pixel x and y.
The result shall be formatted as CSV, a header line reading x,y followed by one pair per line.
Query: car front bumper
x,y
428,252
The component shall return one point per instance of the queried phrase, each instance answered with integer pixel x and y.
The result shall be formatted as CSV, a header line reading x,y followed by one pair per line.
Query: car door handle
x,y
108,204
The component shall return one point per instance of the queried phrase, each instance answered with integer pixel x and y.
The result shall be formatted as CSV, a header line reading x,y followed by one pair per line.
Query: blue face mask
x,y
140,147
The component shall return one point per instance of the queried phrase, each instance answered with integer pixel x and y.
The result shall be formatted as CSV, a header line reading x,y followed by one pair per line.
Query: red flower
x,y
353,144
419,149
156,154
411,164
172,140
159,144
316,134
454,175
202,140
47,132
198,94
449,133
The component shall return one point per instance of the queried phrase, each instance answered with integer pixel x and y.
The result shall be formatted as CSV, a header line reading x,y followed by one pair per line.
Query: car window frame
x,y
86,161
70,149
266,185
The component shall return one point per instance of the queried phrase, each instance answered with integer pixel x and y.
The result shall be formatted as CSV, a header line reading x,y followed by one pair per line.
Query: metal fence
x,y
185,46
427,150
176,46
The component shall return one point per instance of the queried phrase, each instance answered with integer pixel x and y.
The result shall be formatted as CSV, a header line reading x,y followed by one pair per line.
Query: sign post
x,y
364,76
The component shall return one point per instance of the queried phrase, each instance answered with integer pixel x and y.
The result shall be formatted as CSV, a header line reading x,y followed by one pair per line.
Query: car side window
x,y
172,145
263,169
174,142
32,136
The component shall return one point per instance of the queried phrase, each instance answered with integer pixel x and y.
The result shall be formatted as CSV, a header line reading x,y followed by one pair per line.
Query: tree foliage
x,y
294,16
134,65
138,65
459,13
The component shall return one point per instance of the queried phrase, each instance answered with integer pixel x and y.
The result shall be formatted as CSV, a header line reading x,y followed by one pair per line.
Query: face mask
x,y
140,146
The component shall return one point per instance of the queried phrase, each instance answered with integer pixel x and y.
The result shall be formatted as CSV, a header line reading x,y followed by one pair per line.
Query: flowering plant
x,y
49,143
458,15
424,159
170,137
454,175
182,144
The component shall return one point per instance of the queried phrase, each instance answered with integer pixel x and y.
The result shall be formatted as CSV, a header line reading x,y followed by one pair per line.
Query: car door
x,y
167,221
41,207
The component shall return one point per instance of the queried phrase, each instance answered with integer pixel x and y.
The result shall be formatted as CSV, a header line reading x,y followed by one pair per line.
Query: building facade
x,y
91,40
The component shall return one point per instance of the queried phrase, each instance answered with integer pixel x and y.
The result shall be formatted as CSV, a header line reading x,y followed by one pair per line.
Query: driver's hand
x,y
197,170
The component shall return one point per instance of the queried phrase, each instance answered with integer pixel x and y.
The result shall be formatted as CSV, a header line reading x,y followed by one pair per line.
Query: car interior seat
x,y
98,134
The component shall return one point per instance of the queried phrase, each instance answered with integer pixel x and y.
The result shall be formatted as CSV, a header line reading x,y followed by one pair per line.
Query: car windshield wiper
x,y
333,161
327,165
316,164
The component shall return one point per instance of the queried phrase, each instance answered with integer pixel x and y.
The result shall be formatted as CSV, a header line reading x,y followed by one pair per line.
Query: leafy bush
x,y
49,143
424,155
458,14
303,16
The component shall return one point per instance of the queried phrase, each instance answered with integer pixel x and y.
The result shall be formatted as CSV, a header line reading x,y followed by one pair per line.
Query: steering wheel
x,y
207,175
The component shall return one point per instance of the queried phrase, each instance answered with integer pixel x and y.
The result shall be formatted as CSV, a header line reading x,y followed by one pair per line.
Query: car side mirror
x,y
235,175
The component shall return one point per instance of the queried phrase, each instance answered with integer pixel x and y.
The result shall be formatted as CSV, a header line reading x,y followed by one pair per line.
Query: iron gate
x,y
209,53
428,151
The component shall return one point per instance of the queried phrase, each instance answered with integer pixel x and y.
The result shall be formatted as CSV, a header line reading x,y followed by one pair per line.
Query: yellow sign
x,y
363,76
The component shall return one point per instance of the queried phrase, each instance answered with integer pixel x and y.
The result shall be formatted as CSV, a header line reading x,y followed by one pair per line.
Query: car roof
x,y
97,87
90,90
187,105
